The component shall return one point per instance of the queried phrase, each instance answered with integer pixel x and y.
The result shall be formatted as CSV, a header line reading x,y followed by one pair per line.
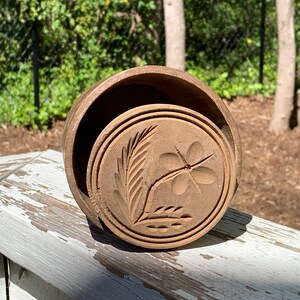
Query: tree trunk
x,y
285,86
175,33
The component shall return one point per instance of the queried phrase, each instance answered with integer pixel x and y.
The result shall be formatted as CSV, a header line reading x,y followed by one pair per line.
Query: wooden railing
x,y
52,252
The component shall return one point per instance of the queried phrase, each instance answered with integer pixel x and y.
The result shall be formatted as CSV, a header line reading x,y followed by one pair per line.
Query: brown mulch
x,y
270,184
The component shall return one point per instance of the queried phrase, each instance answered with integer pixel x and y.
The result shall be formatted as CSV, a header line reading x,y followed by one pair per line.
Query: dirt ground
x,y
270,184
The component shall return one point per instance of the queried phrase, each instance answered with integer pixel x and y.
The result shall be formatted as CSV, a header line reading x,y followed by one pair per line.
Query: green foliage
x,y
119,33
16,105
226,33
58,94
243,82
13,33
84,41
80,42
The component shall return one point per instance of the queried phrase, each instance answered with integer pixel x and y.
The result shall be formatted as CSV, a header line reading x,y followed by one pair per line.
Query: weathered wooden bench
x,y
48,250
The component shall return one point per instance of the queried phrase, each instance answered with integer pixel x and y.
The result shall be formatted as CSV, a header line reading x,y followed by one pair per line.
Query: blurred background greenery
x,y
80,42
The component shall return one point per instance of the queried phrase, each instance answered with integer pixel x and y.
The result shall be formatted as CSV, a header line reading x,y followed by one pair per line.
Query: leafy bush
x,y
16,101
80,42
84,41
68,82
118,33
243,81
57,95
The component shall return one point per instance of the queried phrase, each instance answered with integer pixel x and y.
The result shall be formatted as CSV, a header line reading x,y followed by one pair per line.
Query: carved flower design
x,y
187,168
182,169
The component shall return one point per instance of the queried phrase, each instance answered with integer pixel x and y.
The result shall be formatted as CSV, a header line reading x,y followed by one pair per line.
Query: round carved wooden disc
x,y
161,176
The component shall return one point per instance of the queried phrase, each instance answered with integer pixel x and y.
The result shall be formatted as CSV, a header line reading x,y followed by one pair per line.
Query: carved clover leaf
x,y
187,168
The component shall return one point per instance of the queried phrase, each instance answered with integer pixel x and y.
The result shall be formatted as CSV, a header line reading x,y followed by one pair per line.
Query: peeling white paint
x,y
75,243
13,162
185,295
14,209
47,181
15,190
61,264
252,258
253,267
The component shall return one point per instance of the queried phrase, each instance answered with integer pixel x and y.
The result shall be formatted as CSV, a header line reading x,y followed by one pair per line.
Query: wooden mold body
x,y
154,154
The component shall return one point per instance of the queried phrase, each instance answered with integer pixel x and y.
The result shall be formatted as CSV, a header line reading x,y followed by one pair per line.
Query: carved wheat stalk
x,y
129,178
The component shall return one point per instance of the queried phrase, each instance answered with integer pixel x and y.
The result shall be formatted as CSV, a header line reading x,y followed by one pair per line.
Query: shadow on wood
x,y
232,225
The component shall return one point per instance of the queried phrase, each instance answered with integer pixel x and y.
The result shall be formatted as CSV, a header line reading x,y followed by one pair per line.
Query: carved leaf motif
x,y
159,210
168,214
120,186
186,218
129,178
170,161
178,210
194,153
122,204
163,228
165,220
204,175
176,225
169,209
152,228
182,169
180,184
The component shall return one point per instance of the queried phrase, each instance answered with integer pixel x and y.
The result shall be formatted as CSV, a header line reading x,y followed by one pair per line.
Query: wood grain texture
x,y
44,231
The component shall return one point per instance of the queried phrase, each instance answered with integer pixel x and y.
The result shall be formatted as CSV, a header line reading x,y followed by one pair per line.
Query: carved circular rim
x,y
140,114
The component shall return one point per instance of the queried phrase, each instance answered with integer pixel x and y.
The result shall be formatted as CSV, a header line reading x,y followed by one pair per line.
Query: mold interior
x,y
132,92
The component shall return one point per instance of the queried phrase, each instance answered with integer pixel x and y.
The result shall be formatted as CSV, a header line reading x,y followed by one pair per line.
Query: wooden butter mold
x,y
154,154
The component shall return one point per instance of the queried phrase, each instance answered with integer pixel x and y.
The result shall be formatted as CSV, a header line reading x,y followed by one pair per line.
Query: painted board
x,y
44,231
26,285
10,163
